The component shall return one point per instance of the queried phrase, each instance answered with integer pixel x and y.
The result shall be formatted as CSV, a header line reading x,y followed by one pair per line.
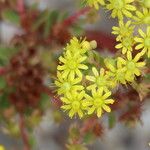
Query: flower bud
x,y
93,44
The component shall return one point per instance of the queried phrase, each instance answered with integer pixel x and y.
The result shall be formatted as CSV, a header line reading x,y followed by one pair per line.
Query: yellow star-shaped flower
x,y
133,67
73,103
98,102
143,41
72,63
126,44
121,8
142,17
123,30
95,3
67,85
100,80
116,72
80,46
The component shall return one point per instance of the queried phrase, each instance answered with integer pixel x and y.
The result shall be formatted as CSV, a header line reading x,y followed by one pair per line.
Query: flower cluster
x,y
135,16
85,89
85,94
70,76
128,40
125,70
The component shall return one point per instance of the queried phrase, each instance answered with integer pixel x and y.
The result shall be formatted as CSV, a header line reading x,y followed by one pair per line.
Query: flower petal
x,y
109,101
106,95
99,112
91,110
106,108
90,78
82,66
141,33
95,72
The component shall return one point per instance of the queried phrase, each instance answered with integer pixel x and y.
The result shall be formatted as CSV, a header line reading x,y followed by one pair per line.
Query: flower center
x,y
76,105
100,81
147,42
131,65
72,65
147,19
127,42
98,102
66,86
147,3
118,4
123,31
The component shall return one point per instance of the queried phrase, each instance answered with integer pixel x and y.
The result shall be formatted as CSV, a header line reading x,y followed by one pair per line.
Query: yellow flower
x,y
116,72
95,3
133,67
142,17
144,41
120,8
124,30
73,103
126,44
100,79
72,63
2,147
98,102
67,85
80,46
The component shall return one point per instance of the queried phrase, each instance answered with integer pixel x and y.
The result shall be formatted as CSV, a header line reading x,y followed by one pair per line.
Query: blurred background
x,y
51,132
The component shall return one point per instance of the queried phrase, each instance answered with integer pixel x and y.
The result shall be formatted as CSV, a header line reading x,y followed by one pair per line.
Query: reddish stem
x,y
20,7
2,71
21,10
24,133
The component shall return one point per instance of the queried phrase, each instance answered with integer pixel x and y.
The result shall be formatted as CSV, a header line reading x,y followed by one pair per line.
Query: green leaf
x,y
111,120
4,103
32,140
45,101
147,77
77,30
48,25
83,3
54,14
74,132
98,58
51,19
34,6
28,111
2,83
40,20
88,138
62,16
6,53
11,16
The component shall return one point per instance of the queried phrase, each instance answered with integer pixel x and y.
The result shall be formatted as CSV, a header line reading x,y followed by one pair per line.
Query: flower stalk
x,y
23,131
